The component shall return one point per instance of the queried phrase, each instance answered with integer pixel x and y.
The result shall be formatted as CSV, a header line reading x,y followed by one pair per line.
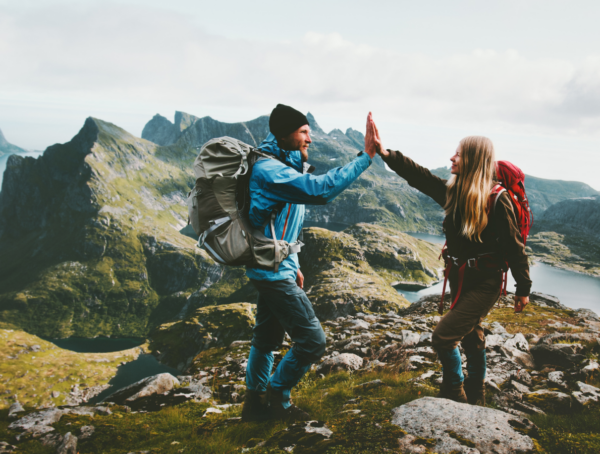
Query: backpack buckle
x,y
472,263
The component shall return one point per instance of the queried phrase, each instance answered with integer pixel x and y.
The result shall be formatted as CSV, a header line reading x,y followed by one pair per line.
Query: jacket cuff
x,y
366,156
523,290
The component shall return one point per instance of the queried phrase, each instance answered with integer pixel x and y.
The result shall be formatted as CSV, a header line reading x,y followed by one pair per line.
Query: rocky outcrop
x,y
158,384
339,280
454,427
90,236
178,343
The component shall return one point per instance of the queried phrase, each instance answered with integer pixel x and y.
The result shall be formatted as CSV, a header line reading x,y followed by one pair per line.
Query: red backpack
x,y
511,180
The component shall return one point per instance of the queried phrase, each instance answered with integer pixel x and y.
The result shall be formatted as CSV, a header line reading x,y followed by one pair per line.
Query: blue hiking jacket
x,y
272,183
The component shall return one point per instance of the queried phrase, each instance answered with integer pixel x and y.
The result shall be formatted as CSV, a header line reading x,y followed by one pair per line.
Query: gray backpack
x,y
218,207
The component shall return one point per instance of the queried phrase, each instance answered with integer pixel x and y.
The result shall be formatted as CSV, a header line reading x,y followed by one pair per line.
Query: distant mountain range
x,y
90,231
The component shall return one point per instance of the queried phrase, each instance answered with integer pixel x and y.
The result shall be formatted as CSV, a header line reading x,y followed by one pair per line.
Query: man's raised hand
x,y
370,143
373,143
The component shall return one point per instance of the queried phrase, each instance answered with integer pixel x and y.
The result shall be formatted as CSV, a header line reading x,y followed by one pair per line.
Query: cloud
x,y
128,54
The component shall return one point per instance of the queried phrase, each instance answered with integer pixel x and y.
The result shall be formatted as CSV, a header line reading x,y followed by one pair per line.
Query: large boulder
x,y
562,355
339,280
461,428
344,361
157,384
550,401
178,343
587,395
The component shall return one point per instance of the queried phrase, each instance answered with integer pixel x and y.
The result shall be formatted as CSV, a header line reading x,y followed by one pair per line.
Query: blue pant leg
x,y
451,366
258,369
267,336
288,374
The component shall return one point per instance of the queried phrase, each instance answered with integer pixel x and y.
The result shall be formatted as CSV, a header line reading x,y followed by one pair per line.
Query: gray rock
x,y
198,391
6,447
528,408
359,325
548,300
343,361
550,401
519,387
569,337
369,385
425,339
521,358
14,409
446,421
587,394
587,314
157,384
497,328
68,445
518,341
410,338
590,368
86,432
557,378
555,354
522,376
493,340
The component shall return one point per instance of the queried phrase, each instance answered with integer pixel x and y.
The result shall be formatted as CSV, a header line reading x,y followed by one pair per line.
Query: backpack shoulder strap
x,y
496,193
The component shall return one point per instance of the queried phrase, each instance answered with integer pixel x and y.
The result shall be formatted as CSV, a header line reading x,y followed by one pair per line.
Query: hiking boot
x,y
276,410
455,393
475,390
255,406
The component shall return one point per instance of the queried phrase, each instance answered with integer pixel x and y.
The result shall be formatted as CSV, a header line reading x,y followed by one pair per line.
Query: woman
x,y
482,239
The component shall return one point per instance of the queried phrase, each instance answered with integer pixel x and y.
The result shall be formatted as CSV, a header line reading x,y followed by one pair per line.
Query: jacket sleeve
x,y
287,185
418,177
511,244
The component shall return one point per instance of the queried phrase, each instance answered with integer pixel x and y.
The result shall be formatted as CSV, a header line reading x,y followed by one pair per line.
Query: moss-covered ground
x,y
32,369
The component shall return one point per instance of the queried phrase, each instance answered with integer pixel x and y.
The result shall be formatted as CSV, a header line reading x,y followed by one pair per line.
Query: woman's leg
x,y
473,305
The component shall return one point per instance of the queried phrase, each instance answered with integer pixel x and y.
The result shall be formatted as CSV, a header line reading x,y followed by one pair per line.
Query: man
x,y
282,304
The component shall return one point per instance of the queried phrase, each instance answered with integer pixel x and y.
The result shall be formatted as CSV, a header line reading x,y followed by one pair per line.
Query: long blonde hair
x,y
468,192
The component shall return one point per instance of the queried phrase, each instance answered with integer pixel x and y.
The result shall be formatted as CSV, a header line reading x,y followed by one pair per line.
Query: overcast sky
x,y
525,73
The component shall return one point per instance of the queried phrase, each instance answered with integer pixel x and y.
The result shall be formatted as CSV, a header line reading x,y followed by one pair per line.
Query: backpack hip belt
x,y
487,260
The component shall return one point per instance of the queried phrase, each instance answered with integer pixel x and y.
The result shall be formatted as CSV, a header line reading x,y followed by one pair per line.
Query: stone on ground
x,y
68,445
344,361
463,428
157,384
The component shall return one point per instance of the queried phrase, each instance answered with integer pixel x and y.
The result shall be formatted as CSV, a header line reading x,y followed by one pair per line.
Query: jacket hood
x,y
294,158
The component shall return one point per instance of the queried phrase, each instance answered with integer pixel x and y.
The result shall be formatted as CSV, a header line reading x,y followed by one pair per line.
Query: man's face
x,y
297,140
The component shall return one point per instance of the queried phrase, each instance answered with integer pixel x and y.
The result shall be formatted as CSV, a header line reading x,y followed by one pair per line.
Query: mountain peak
x,y
313,123
184,120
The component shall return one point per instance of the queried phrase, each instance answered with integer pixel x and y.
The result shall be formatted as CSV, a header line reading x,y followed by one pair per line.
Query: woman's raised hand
x,y
373,142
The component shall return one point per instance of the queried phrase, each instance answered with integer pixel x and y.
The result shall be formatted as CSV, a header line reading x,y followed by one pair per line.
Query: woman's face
x,y
455,161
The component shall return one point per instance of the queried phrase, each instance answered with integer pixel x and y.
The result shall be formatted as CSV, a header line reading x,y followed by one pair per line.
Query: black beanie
x,y
285,119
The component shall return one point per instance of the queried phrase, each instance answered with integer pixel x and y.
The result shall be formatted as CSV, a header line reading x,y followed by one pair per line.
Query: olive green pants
x,y
480,291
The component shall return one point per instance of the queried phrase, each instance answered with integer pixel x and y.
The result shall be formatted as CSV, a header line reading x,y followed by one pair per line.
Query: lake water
x,y
127,374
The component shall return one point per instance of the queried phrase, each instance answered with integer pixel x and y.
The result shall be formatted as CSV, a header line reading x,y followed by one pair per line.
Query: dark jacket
x,y
501,236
